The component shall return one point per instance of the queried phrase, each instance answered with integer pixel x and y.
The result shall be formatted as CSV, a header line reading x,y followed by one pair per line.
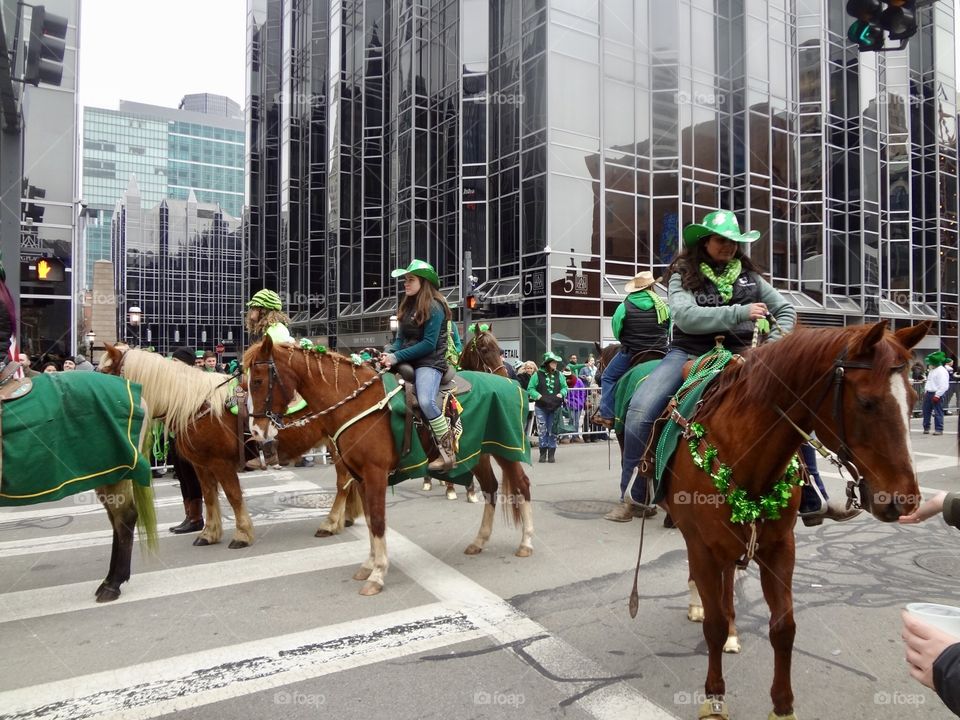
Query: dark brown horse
x,y
347,401
850,387
192,404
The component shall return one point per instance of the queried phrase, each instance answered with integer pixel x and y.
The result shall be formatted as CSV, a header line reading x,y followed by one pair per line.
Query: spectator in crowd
x,y
916,372
508,366
24,360
938,382
525,372
198,359
589,371
83,365
69,364
49,367
576,399
548,390
210,361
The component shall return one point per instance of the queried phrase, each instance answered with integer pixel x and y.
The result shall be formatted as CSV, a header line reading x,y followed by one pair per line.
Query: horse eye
x,y
867,404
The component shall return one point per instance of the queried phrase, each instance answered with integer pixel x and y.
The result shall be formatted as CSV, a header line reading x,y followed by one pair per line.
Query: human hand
x,y
935,399
388,360
924,645
933,506
758,310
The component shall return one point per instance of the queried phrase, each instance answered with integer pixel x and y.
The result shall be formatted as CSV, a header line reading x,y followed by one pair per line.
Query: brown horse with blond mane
x,y
350,402
850,387
191,403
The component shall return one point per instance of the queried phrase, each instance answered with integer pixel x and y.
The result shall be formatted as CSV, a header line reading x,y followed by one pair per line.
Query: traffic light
x,y
49,270
33,211
470,302
45,47
874,22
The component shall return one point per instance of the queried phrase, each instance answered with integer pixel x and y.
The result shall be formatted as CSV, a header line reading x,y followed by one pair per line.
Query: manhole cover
x,y
942,565
304,499
583,509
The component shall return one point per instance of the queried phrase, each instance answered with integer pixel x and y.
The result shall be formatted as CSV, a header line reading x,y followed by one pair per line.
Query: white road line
x,y
186,682
617,701
86,503
76,541
28,604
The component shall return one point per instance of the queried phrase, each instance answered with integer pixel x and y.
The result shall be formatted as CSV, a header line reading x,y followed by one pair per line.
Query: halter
x,y
843,458
473,344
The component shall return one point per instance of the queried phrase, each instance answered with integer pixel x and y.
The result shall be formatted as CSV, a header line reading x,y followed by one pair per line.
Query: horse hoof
x,y
348,523
713,709
362,574
202,542
323,533
732,645
105,593
451,494
524,552
427,486
472,497
789,716
695,613
237,544
371,588
473,549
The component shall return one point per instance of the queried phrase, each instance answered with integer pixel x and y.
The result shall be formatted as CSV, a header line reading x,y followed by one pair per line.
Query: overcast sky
x,y
157,52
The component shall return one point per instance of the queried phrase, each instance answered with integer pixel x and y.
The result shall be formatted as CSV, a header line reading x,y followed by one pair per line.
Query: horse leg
x,y
243,533
483,472
516,493
776,578
472,493
374,569
213,525
709,579
117,499
335,520
694,606
732,645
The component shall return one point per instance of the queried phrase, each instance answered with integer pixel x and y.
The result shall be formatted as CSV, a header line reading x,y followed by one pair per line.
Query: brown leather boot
x,y
447,460
193,522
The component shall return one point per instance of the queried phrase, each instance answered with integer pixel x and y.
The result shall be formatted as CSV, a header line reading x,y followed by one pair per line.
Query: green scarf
x,y
723,282
663,311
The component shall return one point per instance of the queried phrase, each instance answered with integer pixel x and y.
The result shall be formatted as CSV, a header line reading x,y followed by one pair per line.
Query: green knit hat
x,y
267,299
548,356
420,269
719,222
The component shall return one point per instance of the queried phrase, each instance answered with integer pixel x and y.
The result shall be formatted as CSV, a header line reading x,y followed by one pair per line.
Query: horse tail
x,y
143,500
514,482
354,505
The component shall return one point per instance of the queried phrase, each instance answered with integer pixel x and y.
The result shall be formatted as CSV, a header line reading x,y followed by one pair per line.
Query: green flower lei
x,y
724,281
742,508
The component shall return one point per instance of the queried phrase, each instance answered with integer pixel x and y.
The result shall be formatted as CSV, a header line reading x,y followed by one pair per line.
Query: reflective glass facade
x,y
180,262
565,144
169,152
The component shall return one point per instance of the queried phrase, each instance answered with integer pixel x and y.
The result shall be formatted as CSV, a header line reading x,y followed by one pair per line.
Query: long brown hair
x,y
422,302
687,263
265,318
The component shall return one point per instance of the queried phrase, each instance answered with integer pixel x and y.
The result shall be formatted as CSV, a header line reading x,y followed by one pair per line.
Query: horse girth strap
x,y
411,399
243,421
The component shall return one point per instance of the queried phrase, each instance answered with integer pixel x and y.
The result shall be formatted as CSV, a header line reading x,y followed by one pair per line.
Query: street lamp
x,y
394,323
90,338
134,317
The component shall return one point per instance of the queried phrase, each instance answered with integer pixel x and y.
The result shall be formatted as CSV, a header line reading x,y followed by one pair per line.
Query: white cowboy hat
x,y
641,281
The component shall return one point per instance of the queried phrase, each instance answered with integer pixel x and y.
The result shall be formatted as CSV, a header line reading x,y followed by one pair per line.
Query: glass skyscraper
x,y
169,151
566,144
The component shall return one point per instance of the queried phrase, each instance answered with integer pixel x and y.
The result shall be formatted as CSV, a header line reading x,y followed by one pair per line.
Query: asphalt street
x,y
279,630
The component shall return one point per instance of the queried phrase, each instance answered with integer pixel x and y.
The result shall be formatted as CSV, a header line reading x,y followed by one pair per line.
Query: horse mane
x,y
802,356
175,391
336,360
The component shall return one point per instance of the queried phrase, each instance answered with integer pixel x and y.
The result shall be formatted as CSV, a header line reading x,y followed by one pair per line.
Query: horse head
x,y
482,351
112,360
271,386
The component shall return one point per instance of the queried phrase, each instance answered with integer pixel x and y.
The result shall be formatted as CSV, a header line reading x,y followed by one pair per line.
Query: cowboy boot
x,y
193,522
552,455
446,460
543,455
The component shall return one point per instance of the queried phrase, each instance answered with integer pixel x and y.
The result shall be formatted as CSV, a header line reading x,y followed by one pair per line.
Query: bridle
x,y
843,458
486,368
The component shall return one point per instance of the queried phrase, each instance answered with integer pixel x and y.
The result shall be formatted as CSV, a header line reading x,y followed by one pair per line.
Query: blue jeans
x,y
427,380
548,439
611,373
809,500
929,406
646,405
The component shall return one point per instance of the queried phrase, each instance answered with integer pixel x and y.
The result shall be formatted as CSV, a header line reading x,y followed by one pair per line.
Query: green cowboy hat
x,y
548,356
420,269
936,359
719,222
267,299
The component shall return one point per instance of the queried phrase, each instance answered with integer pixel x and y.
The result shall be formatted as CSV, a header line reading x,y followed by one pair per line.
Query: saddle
x,y
12,388
451,384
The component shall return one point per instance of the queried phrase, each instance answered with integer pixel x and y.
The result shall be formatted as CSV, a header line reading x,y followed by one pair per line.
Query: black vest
x,y
746,291
640,330
411,334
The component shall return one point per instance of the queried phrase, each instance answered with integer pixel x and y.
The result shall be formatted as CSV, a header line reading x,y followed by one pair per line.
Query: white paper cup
x,y
943,617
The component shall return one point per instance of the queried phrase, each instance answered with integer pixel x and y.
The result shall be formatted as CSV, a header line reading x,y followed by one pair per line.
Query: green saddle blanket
x,y
493,418
75,431
671,431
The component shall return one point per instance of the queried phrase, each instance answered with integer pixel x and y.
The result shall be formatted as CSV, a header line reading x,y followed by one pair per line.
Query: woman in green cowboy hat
x,y
265,317
547,389
714,289
421,342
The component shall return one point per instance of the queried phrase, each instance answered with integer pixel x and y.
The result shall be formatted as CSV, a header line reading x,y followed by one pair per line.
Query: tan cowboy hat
x,y
641,281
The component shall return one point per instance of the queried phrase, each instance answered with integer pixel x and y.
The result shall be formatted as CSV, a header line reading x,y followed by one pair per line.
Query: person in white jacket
x,y
938,382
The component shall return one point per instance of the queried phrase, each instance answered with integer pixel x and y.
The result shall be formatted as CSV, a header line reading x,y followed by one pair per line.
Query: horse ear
x,y
910,336
266,346
869,339
490,328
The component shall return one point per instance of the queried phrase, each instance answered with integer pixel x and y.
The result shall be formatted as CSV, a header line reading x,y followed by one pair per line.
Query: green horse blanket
x,y
493,417
75,431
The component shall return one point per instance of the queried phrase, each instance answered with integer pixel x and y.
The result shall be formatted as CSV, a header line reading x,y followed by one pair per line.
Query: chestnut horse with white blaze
x,y
350,402
850,387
